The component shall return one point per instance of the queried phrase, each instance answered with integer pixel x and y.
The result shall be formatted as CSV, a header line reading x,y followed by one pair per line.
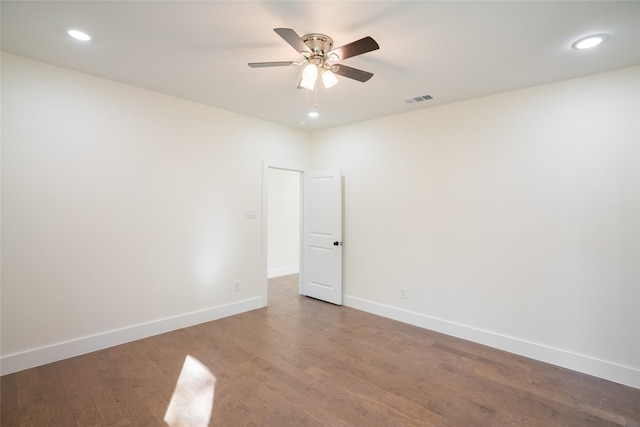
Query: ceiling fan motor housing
x,y
319,44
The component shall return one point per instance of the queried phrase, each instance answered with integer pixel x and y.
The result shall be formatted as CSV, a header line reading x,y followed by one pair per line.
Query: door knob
x,y
336,243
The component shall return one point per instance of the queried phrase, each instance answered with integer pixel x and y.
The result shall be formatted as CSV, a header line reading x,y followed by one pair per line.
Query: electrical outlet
x,y
236,286
403,293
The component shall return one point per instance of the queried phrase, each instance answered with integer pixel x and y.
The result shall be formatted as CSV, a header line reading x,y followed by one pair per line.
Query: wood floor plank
x,y
54,396
30,400
9,407
126,388
303,362
78,385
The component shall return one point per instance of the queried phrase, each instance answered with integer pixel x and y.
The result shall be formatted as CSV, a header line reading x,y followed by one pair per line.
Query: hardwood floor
x,y
302,362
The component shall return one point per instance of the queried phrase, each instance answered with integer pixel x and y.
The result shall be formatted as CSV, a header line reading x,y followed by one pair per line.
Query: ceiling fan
x,y
320,57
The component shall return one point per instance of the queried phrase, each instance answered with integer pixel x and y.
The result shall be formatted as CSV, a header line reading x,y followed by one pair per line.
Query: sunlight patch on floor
x,y
192,400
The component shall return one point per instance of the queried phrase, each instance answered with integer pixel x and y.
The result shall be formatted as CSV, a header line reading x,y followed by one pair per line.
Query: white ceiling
x,y
450,50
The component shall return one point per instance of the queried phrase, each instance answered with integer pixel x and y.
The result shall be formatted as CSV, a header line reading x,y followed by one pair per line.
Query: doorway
x,y
282,207
283,229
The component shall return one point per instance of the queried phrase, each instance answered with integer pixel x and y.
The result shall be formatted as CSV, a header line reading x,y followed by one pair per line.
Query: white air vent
x,y
418,99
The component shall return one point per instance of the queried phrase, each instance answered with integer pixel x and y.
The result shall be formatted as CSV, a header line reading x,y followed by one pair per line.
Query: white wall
x,y
512,220
284,222
123,211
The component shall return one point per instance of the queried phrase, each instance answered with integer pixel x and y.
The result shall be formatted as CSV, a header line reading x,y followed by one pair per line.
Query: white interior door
x,y
322,236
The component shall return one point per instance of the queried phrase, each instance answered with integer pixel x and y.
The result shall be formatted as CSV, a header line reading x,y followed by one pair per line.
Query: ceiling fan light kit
x,y
329,79
309,77
320,58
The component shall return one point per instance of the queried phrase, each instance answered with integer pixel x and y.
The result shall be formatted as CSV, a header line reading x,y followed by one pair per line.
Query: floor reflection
x,y
192,400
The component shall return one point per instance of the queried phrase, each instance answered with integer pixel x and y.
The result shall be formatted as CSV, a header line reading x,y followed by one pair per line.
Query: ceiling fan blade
x,y
293,39
358,47
352,73
272,64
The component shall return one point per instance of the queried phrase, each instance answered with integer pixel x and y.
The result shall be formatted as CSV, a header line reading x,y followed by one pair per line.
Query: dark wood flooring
x,y
302,362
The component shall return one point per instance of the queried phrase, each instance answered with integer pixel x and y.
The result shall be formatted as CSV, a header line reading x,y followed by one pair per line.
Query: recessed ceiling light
x,y
313,114
79,35
589,41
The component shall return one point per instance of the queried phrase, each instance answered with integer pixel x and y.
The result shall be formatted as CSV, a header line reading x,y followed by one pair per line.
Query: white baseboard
x,y
599,368
282,271
41,356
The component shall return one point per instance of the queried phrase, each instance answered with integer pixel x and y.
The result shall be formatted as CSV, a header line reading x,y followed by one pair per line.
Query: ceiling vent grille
x,y
418,99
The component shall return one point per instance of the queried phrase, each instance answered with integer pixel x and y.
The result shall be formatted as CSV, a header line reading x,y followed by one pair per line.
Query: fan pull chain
x,y
315,97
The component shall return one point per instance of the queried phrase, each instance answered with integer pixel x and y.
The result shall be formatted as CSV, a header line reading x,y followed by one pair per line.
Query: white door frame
x,y
266,165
